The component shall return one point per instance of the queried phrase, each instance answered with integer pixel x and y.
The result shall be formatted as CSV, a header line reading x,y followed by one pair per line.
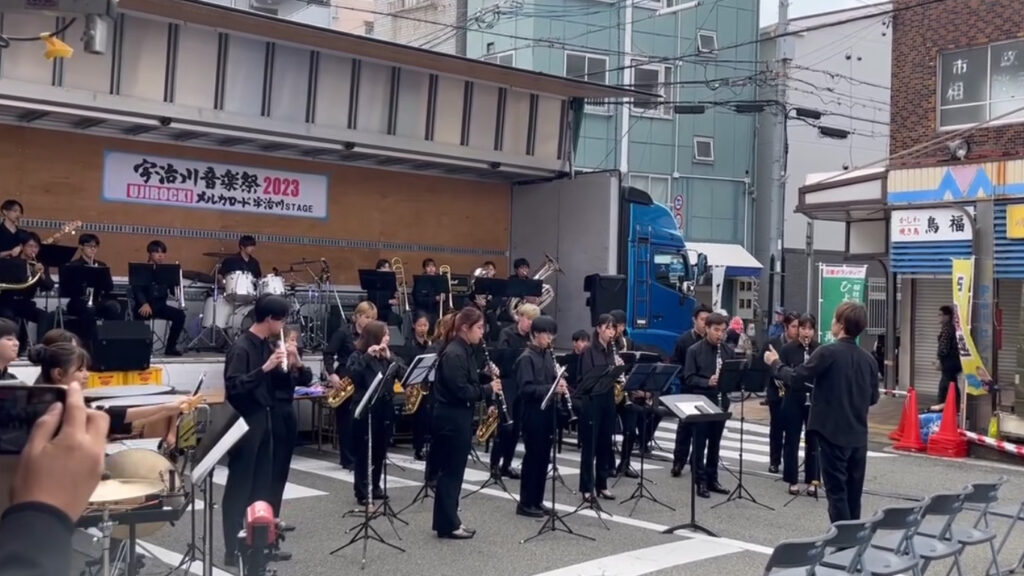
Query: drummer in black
x,y
244,261
151,301
10,243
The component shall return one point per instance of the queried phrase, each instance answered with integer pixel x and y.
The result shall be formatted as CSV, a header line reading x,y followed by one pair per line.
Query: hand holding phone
x,y
63,459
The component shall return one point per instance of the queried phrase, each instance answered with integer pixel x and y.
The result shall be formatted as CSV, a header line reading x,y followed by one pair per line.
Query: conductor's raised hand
x,y
275,360
770,355
63,470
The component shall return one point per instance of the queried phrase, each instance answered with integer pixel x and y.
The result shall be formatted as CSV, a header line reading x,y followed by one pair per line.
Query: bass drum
x,y
142,464
243,318
224,310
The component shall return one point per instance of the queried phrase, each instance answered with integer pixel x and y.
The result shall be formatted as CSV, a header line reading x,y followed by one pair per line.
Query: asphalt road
x,y
320,494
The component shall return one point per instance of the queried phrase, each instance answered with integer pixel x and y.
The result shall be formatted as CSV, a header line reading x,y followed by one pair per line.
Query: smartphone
x,y
20,407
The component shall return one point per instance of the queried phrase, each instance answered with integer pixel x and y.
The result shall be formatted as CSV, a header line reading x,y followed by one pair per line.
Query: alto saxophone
x,y
337,395
489,423
620,383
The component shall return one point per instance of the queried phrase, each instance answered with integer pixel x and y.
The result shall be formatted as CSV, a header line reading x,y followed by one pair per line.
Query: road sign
x,y
677,202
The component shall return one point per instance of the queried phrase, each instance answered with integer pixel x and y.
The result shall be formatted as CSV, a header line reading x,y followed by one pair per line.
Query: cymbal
x,y
215,254
120,490
197,276
304,262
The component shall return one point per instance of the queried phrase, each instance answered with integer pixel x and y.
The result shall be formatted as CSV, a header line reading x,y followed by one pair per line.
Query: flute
x,y
284,363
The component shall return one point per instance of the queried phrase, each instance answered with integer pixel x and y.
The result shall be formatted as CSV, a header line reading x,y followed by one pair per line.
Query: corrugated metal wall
x,y
929,295
1009,254
927,257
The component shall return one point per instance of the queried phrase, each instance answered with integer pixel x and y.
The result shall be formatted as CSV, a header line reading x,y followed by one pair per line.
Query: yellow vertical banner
x,y
975,374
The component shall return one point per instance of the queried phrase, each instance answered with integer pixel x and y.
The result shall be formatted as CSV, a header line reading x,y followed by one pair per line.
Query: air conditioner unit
x,y
59,7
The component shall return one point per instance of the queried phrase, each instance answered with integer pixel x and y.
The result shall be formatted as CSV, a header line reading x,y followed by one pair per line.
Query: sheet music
x,y
692,408
233,435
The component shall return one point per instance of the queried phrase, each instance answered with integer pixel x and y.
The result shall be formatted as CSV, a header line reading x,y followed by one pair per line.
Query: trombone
x,y
403,288
446,271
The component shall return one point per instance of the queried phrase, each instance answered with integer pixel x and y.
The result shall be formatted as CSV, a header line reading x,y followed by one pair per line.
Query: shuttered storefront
x,y
1009,304
929,295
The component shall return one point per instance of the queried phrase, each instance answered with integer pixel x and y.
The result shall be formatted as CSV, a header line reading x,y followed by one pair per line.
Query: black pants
x,y
708,437
421,423
379,431
947,379
17,309
451,439
597,424
343,429
503,450
176,316
285,429
776,430
250,471
795,423
842,471
681,449
87,317
538,437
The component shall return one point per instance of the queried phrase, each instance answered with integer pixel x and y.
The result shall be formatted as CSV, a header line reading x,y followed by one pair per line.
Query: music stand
x,y
653,379
211,449
602,384
692,409
13,271
364,531
524,288
554,522
734,377
378,281
431,286
422,370
494,287
461,290
96,277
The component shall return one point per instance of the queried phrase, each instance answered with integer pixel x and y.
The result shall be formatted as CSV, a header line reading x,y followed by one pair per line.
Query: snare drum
x,y
272,285
223,308
239,287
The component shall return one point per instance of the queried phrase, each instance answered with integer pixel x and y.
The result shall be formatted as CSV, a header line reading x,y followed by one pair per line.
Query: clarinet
x,y
492,369
568,397
718,370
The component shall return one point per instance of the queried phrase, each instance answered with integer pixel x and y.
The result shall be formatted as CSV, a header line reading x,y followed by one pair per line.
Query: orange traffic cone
x,y
910,435
947,441
897,434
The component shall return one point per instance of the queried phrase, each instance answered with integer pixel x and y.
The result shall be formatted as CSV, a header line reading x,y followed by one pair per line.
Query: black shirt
x,y
683,343
701,364
363,370
8,240
458,381
35,540
235,263
341,346
571,361
594,364
845,386
424,298
794,354
534,373
248,388
510,346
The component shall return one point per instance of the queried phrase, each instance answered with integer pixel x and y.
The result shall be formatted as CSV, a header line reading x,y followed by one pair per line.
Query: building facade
x,y
352,16
843,72
701,164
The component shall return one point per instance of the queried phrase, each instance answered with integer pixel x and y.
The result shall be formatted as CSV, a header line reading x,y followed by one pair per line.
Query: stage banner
x,y
717,284
171,182
837,283
974,371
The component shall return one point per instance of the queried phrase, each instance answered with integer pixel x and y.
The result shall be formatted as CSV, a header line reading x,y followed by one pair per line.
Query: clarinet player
x,y
457,389
700,376
795,410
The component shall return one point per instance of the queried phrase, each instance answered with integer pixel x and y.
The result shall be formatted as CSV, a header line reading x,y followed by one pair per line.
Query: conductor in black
x,y
845,386
457,389
700,376
249,382
535,373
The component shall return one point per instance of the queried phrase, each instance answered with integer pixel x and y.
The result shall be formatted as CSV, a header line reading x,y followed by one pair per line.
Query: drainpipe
x,y
627,80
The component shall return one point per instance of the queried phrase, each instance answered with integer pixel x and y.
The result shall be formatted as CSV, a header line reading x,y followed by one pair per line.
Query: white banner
x,y
717,283
929,225
171,182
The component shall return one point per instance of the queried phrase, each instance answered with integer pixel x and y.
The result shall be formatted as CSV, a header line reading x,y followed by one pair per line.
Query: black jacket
x,y
948,351
683,343
363,370
794,354
35,540
701,365
845,387
459,384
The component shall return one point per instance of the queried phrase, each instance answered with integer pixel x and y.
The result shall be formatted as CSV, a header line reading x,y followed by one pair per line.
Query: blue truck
x,y
592,225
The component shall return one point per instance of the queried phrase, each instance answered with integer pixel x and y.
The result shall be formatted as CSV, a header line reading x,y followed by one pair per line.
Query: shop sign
x,y
837,283
173,182
1015,221
929,225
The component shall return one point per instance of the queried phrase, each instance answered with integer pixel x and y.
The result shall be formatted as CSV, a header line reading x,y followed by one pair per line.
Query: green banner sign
x,y
837,283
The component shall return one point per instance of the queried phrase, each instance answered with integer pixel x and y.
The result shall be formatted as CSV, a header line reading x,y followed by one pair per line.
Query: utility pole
x,y
627,80
777,194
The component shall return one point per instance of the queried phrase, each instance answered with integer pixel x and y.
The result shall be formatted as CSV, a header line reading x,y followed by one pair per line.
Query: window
x,y
670,269
592,69
368,27
707,42
657,186
503,58
743,299
703,149
978,84
657,80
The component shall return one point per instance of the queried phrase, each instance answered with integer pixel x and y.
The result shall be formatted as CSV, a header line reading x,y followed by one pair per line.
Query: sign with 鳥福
x,y
173,182
929,225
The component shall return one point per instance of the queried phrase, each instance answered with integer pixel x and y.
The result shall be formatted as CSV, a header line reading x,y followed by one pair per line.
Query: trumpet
x,y
281,347
403,288
446,271
337,395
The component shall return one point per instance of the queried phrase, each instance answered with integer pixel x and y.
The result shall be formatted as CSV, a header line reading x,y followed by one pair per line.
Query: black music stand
x,y
524,288
740,376
494,287
13,271
378,281
461,290
55,255
421,370
431,286
364,531
604,383
554,522
692,409
145,274
653,379
76,275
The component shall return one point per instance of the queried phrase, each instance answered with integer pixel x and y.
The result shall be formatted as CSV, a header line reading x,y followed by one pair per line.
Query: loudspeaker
x,y
122,346
607,293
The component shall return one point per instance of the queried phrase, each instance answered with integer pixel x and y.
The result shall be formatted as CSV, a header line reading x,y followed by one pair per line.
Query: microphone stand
x,y
554,522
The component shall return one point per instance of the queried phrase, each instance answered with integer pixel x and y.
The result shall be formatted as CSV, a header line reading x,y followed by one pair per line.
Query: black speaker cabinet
x,y
607,293
122,346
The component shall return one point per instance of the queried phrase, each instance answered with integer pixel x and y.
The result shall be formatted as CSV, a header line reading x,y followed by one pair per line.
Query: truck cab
x,y
661,273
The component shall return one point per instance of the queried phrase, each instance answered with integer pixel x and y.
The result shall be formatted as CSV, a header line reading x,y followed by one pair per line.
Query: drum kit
x,y
228,310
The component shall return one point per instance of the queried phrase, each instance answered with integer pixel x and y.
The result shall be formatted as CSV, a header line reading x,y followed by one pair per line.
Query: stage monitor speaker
x,y
122,346
607,293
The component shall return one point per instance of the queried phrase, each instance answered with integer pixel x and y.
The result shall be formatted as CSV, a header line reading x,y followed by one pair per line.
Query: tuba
x,y
403,287
336,396
547,292
480,272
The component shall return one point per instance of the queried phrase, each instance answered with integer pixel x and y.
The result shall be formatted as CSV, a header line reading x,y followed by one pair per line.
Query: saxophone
x,y
620,384
337,395
489,423
414,394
